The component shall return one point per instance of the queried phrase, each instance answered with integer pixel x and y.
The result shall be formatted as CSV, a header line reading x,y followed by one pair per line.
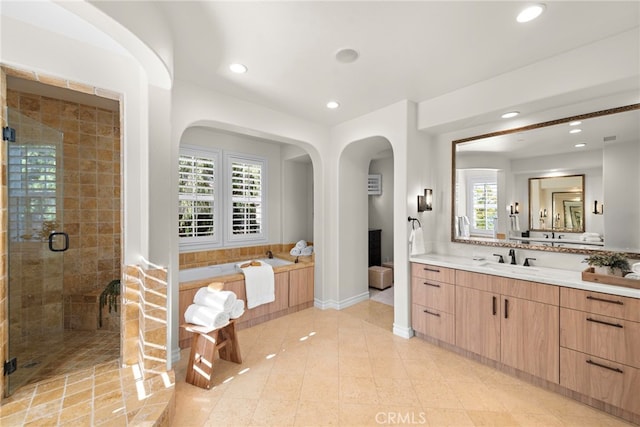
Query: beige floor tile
x,y
229,412
274,412
328,363
492,419
317,413
316,386
358,390
422,370
474,396
536,420
448,417
388,368
247,386
355,366
282,386
394,391
360,414
436,394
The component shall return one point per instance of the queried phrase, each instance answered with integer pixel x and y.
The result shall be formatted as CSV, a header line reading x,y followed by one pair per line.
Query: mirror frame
x,y
496,243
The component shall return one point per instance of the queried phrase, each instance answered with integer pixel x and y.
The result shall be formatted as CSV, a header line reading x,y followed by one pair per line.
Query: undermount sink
x,y
511,268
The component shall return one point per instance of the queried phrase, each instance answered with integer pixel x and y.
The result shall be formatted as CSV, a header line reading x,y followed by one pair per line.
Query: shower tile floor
x,y
44,357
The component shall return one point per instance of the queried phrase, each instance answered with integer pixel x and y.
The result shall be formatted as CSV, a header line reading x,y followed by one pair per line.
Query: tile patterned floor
x,y
45,357
346,368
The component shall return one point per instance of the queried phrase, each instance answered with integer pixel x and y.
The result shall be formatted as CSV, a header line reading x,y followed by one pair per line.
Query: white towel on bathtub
x,y
636,268
259,284
219,300
206,316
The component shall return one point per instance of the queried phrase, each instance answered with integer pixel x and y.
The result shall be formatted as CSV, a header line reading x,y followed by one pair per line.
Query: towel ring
x,y
413,223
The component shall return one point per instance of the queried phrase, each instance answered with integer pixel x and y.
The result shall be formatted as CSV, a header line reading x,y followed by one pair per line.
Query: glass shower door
x,y
36,244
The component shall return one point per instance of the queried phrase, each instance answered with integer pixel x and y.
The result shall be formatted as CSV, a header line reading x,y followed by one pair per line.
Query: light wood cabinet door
x,y
300,286
433,323
601,379
529,337
477,322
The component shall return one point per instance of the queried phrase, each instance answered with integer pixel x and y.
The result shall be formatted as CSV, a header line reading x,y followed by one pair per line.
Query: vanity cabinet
x,y
433,302
514,322
600,347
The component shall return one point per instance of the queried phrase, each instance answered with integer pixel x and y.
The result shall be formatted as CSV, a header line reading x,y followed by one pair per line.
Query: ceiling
x,y
408,50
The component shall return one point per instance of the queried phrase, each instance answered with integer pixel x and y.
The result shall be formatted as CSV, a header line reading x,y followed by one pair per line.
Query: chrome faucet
x,y
269,254
512,254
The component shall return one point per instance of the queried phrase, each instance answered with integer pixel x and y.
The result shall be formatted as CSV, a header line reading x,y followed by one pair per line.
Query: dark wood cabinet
x,y
375,247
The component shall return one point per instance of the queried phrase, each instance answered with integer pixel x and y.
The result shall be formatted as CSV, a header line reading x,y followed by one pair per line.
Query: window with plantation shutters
x,y
246,202
199,197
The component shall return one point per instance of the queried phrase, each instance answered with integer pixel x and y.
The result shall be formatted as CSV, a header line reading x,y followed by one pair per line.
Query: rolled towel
x,y
295,252
237,310
301,244
219,300
306,251
634,276
636,268
206,316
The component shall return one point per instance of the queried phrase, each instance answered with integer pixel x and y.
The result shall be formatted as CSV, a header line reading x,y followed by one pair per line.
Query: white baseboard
x,y
402,331
339,305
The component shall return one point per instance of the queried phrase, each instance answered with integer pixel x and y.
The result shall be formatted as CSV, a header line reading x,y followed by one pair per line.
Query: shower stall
x,y
63,231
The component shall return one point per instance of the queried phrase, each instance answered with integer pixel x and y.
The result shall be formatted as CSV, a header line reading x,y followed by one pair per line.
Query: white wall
x,y
297,201
381,206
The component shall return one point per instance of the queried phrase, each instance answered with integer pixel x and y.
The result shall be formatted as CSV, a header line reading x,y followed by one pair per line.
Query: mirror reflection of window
x,y
482,201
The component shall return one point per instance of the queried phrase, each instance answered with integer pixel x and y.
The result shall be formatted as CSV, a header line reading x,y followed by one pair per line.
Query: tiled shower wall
x,y
91,150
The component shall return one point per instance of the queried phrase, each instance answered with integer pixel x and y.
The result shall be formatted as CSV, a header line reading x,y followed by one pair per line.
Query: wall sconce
x,y
595,208
515,209
425,203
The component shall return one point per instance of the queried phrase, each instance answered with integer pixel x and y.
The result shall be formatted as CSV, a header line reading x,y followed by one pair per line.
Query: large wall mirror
x,y
544,186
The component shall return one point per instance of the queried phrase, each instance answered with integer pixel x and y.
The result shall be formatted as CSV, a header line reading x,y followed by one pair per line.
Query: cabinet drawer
x,y
434,323
599,303
432,294
432,272
483,282
607,337
533,291
610,382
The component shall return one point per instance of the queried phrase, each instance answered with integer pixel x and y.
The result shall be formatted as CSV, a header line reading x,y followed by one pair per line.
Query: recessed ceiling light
x,y
575,123
575,131
347,55
510,114
530,13
332,105
238,68
580,145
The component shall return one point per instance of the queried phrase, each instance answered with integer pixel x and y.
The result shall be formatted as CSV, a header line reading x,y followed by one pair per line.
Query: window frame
x,y
229,158
205,242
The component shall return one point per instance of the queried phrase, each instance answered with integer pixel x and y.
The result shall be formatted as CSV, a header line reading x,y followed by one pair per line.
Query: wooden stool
x,y
203,350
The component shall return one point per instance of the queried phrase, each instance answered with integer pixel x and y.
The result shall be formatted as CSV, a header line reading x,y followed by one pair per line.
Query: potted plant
x,y
109,296
613,263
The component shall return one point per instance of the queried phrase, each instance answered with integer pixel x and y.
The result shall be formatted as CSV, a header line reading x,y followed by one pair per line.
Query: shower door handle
x,y
52,237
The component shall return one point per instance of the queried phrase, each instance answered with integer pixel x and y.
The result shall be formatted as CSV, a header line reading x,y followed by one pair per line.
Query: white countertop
x,y
552,276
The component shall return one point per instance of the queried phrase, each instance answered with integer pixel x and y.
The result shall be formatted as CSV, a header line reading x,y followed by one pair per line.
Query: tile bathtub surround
x,y
222,256
327,367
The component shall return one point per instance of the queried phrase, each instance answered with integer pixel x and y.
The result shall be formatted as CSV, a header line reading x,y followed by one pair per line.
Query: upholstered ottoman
x,y
389,264
380,277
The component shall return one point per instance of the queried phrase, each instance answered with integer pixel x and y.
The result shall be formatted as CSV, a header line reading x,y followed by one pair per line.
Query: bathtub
x,y
213,271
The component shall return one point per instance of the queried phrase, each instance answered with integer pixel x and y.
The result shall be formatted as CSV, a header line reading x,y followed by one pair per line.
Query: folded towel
x,y
206,316
295,252
219,300
237,310
301,244
307,250
259,284
636,268
592,239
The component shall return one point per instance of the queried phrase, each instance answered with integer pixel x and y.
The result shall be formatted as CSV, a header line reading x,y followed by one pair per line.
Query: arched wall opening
x,y
353,220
